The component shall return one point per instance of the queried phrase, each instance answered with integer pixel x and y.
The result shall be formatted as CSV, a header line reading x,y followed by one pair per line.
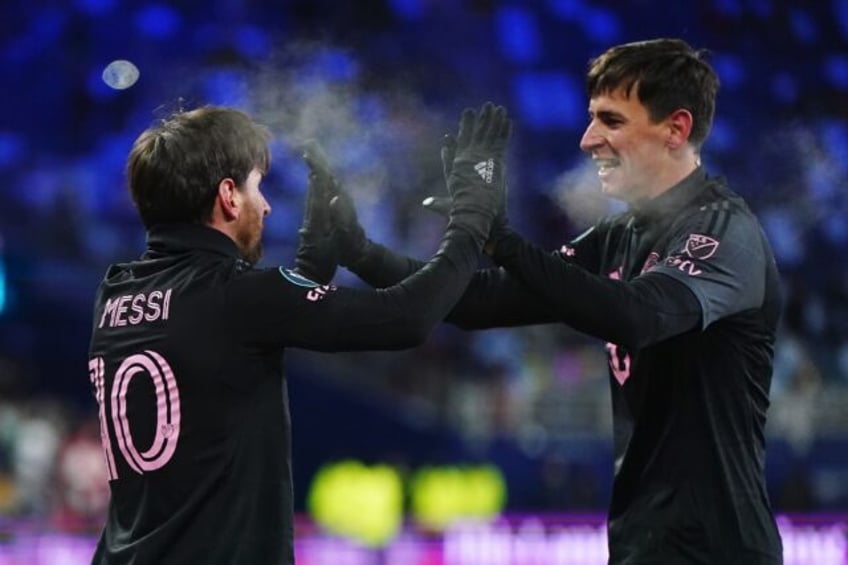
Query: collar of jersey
x,y
672,199
170,238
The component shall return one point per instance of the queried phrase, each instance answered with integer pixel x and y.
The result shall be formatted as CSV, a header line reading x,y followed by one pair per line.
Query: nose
x,y
591,138
266,209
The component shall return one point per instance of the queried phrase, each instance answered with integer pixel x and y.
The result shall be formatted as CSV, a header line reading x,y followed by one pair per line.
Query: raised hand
x,y
475,177
343,230
317,253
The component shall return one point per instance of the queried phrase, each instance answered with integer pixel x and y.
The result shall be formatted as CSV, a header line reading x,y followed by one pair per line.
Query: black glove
x,y
442,204
343,240
317,253
476,179
350,238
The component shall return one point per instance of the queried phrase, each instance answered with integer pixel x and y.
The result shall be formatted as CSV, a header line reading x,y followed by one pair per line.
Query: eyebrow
x,y
607,114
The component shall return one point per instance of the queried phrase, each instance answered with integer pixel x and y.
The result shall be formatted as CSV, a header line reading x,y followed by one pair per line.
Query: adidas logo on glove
x,y
486,170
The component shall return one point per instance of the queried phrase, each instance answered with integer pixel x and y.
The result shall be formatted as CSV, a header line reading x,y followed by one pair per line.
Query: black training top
x,y
186,364
685,292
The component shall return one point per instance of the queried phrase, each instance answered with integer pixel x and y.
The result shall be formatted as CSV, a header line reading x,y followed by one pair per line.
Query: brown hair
x,y
175,166
668,75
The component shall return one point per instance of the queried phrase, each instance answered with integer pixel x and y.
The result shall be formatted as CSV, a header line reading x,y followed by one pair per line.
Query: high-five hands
x,y
476,175
331,234
317,254
501,129
473,165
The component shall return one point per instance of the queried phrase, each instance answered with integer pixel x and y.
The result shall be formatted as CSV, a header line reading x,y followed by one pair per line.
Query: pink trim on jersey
x,y
621,371
167,411
96,372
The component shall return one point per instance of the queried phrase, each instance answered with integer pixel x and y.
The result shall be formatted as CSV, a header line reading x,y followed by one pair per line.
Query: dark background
x,y
379,82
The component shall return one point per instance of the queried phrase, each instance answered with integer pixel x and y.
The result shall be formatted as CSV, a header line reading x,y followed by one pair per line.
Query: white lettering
x,y
109,310
137,308
319,292
142,308
117,319
153,306
689,267
166,307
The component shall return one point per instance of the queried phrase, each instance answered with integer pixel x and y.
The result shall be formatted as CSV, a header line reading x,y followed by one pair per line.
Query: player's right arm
x,y
493,298
279,306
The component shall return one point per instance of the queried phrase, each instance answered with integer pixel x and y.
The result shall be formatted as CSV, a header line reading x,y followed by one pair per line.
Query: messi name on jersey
x,y
134,309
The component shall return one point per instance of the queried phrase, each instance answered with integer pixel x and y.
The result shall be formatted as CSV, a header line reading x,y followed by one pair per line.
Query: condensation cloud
x,y
315,91
577,192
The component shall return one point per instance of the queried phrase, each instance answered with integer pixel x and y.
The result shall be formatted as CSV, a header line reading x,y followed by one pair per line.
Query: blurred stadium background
x,y
476,448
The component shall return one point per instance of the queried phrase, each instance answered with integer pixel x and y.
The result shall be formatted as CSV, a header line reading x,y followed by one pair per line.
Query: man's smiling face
x,y
628,147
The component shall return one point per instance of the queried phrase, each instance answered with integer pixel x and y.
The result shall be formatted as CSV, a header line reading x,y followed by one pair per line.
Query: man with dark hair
x,y
186,356
682,287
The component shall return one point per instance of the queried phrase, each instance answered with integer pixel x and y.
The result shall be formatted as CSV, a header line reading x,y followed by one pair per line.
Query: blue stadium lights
x,y
518,33
803,25
11,148
95,7
407,9
840,9
602,26
731,70
252,41
549,100
836,71
225,87
157,21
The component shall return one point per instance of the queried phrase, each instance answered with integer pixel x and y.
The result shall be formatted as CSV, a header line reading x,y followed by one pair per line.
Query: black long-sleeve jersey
x,y
186,363
685,292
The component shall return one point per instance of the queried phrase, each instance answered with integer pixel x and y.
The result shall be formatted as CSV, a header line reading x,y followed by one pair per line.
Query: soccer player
x,y
186,357
684,290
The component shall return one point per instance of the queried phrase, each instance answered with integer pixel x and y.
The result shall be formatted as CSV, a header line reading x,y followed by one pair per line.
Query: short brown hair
x,y
175,166
668,75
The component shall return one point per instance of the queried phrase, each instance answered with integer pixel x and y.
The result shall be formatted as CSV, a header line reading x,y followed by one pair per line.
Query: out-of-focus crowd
x,y
370,82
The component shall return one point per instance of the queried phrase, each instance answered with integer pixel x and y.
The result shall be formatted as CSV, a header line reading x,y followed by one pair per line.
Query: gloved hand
x,y
442,204
317,253
343,238
350,238
476,179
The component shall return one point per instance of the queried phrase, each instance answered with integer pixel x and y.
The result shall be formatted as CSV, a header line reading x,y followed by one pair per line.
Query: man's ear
x,y
228,200
679,127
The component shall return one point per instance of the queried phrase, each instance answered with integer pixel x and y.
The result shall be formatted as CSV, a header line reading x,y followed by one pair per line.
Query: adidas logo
x,y
486,170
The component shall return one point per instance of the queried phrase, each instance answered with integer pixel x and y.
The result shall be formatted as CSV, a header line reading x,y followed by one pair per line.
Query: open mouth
x,y
605,166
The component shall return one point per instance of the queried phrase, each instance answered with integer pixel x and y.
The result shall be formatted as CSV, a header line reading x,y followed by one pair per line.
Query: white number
x,y
164,443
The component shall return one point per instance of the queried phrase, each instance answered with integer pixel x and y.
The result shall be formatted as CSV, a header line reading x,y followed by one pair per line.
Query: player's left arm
x,y
705,273
634,314
720,256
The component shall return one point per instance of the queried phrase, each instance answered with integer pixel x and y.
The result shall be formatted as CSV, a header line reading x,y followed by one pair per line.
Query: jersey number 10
x,y
155,367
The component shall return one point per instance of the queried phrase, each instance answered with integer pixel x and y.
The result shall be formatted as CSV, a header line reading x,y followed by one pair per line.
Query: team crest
x,y
700,246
